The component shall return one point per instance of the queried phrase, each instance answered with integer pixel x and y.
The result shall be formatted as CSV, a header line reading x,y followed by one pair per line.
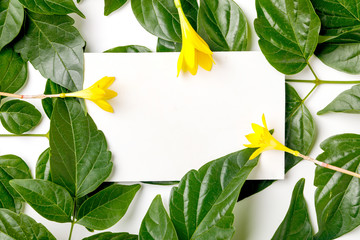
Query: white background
x,y
257,217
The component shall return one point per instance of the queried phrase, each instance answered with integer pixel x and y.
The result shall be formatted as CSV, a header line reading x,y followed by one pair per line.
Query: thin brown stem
x,y
329,166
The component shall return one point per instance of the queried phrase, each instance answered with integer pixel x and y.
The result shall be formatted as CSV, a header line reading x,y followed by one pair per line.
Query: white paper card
x,y
164,125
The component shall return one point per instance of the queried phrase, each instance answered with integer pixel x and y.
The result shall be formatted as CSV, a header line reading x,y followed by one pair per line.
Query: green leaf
x,y
48,103
4,236
166,46
223,25
300,129
112,236
11,19
201,206
43,166
157,223
296,224
288,32
79,159
346,102
160,17
52,7
340,26
128,49
13,71
113,5
50,200
21,226
55,48
19,116
11,167
337,197
106,207
300,135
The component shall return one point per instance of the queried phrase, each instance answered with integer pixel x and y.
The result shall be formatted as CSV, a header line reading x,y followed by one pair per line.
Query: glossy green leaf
x,y
13,71
113,5
223,25
52,7
79,159
50,200
341,53
19,116
346,102
48,103
300,129
201,206
340,24
296,224
4,236
55,48
11,19
106,207
128,49
166,46
160,17
11,167
157,224
112,236
42,170
300,134
337,197
288,32
21,226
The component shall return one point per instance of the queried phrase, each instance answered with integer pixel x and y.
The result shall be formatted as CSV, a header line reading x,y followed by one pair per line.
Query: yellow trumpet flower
x,y
98,93
263,140
195,50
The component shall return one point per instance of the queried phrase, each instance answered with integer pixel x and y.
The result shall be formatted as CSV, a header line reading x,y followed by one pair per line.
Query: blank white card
x,y
163,125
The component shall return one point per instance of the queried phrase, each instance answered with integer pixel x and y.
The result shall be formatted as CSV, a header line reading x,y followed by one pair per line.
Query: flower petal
x,y
105,82
104,105
109,94
256,153
264,121
205,60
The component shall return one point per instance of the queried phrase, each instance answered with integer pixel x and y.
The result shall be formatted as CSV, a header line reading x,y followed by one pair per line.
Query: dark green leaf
x,y
106,207
223,25
166,46
342,52
160,17
201,206
340,24
51,201
13,71
79,159
288,32
300,130
128,49
52,7
4,236
157,223
112,236
300,134
21,226
11,167
43,166
296,224
19,116
11,19
347,102
55,48
48,103
113,5
337,197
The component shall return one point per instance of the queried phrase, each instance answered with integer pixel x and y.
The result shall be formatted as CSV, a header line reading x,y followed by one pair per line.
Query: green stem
x,y
25,135
311,91
73,219
313,72
72,227
322,81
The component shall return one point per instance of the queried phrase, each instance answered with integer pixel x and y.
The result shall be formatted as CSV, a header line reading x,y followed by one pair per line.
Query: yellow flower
x,y
263,140
98,93
195,50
